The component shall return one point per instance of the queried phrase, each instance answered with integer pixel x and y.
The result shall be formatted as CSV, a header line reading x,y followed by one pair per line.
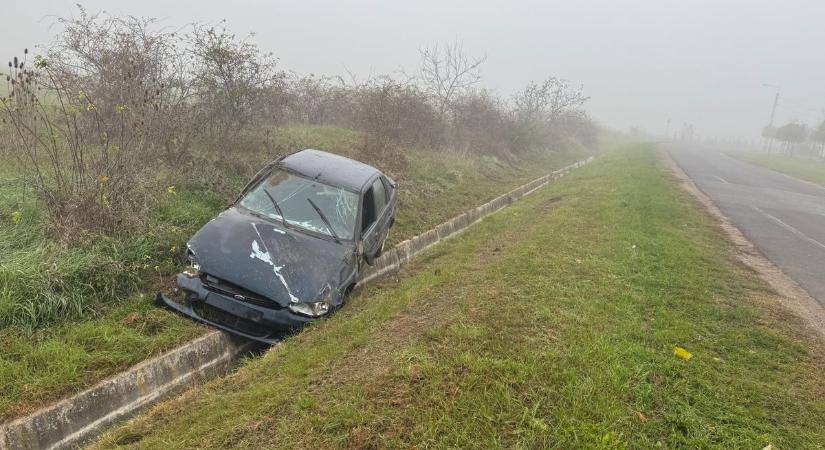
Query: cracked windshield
x,y
305,203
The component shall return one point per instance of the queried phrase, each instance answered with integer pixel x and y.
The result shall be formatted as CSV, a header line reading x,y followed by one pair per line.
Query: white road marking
x,y
721,179
793,230
784,175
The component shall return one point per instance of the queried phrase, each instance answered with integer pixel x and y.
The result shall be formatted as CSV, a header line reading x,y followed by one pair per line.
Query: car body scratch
x,y
266,257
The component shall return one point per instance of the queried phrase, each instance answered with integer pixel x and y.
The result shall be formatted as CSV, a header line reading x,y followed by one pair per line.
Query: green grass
x,y
551,324
804,169
72,315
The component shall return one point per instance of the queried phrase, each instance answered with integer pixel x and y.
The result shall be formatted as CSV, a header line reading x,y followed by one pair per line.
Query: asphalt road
x,y
784,217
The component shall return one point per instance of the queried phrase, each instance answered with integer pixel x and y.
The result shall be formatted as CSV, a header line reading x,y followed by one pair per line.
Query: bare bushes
x,y
542,109
87,117
482,123
118,109
447,72
106,119
235,85
318,100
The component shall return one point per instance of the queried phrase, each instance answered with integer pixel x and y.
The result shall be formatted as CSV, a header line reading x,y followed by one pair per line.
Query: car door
x,y
375,218
383,194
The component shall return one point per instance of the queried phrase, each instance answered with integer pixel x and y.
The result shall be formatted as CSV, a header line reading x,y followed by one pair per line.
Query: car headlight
x,y
314,309
194,269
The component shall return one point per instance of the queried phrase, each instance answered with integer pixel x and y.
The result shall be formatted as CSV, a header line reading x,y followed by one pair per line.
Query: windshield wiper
x,y
277,208
324,218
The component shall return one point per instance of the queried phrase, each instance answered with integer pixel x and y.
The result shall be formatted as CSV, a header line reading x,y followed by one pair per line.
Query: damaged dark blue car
x,y
289,249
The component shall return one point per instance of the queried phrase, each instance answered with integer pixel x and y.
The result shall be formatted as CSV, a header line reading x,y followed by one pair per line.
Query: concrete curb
x,y
73,421
80,418
397,256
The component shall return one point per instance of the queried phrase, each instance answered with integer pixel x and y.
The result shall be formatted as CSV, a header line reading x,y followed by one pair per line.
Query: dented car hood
x,y
261,256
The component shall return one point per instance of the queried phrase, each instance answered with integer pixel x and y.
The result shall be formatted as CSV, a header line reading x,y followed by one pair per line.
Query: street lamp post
x,y
773,113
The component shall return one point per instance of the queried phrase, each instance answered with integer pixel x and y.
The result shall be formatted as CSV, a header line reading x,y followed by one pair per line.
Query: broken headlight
x,y
194,269
314,309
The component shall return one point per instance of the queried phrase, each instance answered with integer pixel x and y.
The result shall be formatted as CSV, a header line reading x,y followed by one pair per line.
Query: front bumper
x,y
266,325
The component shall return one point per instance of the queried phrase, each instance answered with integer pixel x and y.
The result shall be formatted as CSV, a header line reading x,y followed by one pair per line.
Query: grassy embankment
x,y
552,324
804,169
73,315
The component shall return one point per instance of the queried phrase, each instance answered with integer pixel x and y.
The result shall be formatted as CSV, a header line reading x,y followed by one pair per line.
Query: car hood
x,y
258,255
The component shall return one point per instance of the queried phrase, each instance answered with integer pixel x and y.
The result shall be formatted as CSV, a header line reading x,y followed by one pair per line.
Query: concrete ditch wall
x,y
80,418
72,421
394,258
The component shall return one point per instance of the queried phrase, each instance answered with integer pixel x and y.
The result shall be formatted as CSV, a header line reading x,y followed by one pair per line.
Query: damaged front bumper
x,y
266,325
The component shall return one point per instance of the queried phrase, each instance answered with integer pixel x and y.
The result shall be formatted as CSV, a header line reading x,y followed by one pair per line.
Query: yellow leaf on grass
x,y
682,353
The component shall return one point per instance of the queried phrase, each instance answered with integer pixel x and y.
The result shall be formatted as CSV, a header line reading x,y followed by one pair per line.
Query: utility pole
x,y
667,130
773,114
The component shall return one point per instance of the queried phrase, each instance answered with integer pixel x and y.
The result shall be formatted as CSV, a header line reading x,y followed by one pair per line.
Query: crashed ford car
x,y
289,249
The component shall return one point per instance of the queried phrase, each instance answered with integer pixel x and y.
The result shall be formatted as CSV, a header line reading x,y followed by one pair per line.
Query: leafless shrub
x,y
482,123
133,74
319,100
235,84
89,117
577,126
393,112
447,73
539,107
115,108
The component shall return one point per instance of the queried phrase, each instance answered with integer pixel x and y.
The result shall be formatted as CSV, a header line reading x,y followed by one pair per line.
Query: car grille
x,y
222,317
236,292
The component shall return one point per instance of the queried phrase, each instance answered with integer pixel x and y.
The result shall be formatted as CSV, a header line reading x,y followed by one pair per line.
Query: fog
x,y
643,62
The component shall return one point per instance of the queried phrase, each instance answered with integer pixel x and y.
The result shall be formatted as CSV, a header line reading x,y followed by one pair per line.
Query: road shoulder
x,y
791,296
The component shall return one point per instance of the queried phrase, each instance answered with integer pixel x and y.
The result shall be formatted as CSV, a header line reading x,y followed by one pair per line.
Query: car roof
x,y
330,169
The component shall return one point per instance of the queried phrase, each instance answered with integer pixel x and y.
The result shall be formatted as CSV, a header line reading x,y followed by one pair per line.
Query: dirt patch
x,y
549,204
791,296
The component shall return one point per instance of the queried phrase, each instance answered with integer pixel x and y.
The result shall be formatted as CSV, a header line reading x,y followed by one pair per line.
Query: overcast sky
x,y
642,61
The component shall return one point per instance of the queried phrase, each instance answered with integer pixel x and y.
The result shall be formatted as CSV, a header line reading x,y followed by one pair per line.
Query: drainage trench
x,y
76,420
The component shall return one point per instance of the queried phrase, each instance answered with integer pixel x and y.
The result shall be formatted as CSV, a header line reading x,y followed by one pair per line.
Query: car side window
x,y
387,187
368,215
380,193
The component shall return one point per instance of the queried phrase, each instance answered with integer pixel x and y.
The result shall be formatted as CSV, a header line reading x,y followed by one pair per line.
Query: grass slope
x,y
804,169
551,324
70,316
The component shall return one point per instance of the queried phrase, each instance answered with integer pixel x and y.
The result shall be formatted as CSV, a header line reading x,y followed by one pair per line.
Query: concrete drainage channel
x,y
80,418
